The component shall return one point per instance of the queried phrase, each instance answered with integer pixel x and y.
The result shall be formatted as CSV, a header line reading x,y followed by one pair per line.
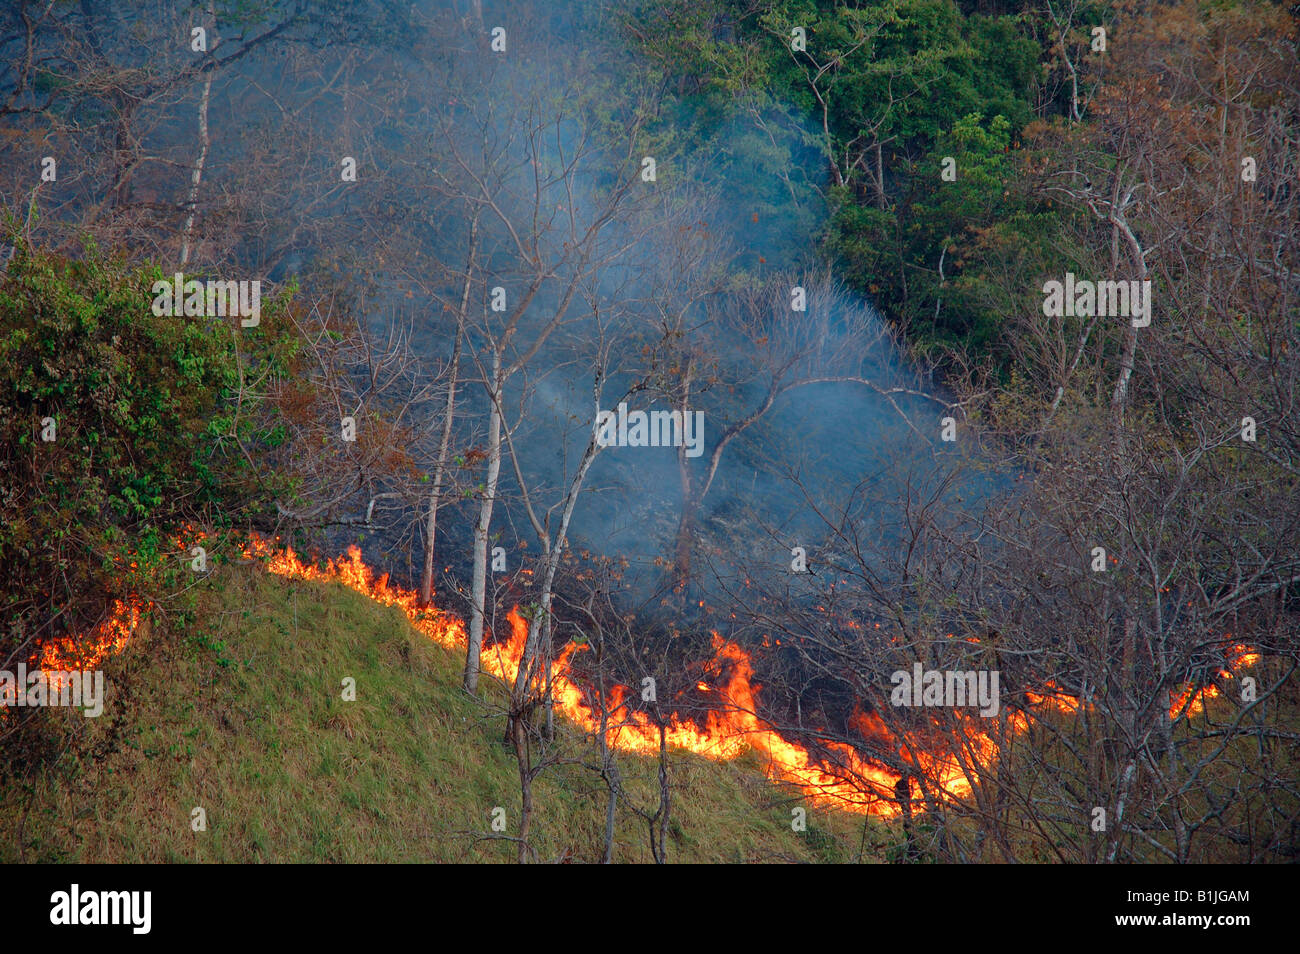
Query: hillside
x,y
241,714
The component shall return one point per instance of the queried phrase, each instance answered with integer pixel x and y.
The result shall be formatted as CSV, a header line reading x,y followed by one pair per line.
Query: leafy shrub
x,y
153,424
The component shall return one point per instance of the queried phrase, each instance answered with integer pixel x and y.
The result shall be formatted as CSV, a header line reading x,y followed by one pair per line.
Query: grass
x,y
241,715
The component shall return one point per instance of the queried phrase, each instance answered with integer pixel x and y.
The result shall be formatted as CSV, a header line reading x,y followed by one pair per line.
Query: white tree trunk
x,y
440,468
479,592
197,175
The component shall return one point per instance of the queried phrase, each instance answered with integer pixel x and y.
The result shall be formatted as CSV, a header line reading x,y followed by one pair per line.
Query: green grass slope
x,y
241,714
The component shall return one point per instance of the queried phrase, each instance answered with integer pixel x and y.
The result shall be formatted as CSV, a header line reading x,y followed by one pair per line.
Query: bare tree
x,y
1139,571
758,343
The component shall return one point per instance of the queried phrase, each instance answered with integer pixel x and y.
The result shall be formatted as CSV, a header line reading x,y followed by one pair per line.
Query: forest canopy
x,y
967,334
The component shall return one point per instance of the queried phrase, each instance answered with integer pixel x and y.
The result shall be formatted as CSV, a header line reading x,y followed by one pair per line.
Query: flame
x,y
111,636
1186,702
1054,698
1190,701
839,776
67,655
727,733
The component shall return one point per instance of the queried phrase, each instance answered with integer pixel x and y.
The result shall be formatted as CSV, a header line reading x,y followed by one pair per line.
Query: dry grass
x,y
242,716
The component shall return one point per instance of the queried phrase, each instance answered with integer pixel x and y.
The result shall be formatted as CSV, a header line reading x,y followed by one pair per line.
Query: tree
x,y
764,344
1148,555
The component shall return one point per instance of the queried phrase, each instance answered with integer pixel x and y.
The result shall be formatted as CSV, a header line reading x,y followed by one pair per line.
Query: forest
x,y
896,399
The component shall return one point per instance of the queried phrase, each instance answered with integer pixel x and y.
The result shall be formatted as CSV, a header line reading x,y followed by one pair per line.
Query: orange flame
x,y
727,733
111,636
841,777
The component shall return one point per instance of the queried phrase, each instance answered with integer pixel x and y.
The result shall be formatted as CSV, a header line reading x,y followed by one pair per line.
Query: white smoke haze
x,y
476,161
702,252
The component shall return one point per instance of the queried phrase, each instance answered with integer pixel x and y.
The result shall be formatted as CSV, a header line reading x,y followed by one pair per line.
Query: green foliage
x,y
919,255
147,437
884,90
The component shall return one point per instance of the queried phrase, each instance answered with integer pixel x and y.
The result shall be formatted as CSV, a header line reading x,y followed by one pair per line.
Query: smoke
x,y
518,125
711,251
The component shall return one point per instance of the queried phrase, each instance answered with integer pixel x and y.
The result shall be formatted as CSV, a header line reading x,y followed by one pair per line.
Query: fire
x,y
839,777
1191,701
1184,703
727,733
67,655
109,637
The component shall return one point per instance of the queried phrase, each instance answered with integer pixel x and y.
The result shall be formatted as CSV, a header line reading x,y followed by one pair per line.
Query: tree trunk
x,y
197,175
1128,358
903,795
519,737
440,468
539,627
479,592
608,770
690,503
684,545
880,177
665,798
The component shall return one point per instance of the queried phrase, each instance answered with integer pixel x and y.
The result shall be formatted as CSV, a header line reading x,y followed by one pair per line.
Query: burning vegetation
x,y
1005,360
837,775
